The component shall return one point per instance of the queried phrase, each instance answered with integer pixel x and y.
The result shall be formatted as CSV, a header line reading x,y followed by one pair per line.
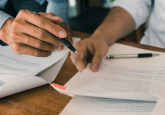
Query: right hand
x,y
96,45
32,34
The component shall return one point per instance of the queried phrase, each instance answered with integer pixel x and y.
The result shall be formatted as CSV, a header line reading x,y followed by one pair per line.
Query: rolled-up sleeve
x,y
59,8
3,17
138,9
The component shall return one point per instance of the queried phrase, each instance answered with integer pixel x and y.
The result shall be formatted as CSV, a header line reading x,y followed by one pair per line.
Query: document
x,y
88,105
111,81
22,72
82,105
14,66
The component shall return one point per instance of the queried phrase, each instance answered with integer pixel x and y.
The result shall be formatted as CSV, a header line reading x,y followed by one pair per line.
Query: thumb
x,y
52,17
96,61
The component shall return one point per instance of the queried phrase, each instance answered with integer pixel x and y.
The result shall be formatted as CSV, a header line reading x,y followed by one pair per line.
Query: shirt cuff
x,y
59,8
3,18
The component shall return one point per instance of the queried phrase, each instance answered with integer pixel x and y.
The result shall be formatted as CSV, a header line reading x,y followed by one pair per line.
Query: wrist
x,y
99,36
6,30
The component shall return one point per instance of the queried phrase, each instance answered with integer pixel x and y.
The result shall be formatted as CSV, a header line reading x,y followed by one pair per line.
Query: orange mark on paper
x,y
58,86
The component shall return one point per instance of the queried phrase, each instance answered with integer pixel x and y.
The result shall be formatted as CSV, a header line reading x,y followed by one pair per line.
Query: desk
x,y
45,100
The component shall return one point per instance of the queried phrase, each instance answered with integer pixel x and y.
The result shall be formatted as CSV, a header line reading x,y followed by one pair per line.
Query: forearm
x,y
117,24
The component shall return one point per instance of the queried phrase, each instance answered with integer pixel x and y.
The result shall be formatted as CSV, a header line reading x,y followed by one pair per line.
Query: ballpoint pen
x,y
141,55
65,42
68,44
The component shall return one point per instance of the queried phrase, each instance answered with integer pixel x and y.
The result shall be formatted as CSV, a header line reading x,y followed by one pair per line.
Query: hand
x,y
32,34
67,28
96,45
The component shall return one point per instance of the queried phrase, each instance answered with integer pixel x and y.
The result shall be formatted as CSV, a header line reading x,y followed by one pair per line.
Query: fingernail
x,y
94,67
61,34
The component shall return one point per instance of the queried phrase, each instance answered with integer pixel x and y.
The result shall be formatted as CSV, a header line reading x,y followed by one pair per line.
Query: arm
x,y
118,23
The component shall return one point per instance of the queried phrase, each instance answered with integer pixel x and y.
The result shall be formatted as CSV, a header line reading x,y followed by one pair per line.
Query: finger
x,y
36,32
52,17
42,23
67,27
97,60
33,42
28,50
77,61
61,45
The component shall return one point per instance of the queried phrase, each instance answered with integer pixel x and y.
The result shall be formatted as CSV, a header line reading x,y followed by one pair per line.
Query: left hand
x,y
67,28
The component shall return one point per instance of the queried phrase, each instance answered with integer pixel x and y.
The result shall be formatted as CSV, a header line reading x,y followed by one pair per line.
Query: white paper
x,y
81,105
159,108
12,86
1,84
13,66
117,48
111,81
19,85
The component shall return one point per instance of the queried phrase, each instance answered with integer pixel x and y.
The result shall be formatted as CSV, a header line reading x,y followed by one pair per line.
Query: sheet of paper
x,y
159,107
111,81
12,86
1,84
13,66
81,105
48,75
117,48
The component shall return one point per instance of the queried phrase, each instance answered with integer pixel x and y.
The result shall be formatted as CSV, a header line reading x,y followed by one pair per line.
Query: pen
x,y
65,42
141,55
68,44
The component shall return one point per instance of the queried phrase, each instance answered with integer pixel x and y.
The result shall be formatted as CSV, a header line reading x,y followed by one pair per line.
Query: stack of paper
x,y
22,72
122,86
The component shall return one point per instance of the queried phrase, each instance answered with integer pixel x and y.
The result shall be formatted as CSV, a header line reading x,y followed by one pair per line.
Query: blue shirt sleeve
x,y
3,17
59,8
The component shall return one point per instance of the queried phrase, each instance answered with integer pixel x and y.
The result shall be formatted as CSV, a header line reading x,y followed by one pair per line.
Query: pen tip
x,y
76,52
155,54
50,83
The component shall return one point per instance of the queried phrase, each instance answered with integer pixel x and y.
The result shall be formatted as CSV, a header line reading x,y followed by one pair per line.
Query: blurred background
x,y
87,15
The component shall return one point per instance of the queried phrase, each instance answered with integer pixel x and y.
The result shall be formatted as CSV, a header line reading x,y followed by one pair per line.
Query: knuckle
x,y
39,44
56,29
22,12
13,37
41,33
41,21
17,25
16,48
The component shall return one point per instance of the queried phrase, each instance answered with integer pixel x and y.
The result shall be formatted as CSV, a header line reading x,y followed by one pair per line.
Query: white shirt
x,y
138,9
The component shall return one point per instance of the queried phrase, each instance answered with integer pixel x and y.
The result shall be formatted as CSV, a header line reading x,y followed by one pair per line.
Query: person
x,y
122,19
32,31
